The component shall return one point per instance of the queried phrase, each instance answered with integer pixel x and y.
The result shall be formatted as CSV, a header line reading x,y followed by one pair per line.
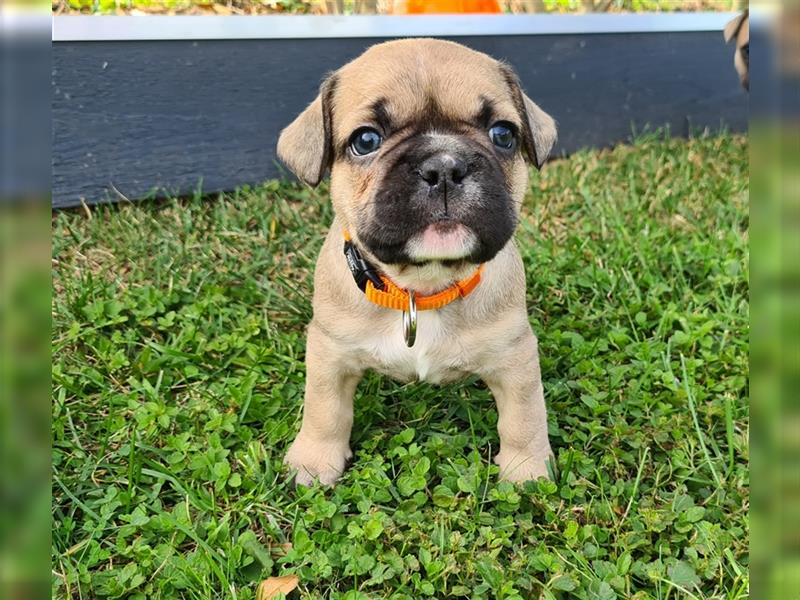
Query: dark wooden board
x,y
168,116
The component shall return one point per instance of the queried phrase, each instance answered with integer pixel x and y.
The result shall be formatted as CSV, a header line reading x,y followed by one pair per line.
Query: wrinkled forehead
x,y
410,88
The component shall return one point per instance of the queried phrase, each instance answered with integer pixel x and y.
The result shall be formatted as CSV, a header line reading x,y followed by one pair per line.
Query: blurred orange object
x,y
418,7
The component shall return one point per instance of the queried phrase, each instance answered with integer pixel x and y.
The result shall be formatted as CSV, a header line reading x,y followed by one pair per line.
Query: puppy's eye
x,y
365,141
502,135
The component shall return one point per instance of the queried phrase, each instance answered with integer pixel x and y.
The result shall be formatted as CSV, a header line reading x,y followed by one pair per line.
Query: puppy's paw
x,y
524,465
323,461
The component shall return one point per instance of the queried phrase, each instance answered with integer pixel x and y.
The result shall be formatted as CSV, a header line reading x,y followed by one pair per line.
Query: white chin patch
x,y
441,242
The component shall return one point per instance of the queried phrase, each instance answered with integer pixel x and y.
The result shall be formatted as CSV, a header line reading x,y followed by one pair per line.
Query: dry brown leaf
x,y
272,586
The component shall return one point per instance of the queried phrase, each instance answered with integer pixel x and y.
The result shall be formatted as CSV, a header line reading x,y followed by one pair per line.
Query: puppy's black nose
x,y
443,168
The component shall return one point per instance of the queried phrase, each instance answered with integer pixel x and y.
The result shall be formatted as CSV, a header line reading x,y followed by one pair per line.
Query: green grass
x,y
178,377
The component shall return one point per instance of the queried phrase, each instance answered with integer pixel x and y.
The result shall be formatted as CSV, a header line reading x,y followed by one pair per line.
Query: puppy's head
x,y
739,29
427,143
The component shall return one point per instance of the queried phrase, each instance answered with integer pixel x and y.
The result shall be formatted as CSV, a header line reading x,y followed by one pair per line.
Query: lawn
x,y
177,386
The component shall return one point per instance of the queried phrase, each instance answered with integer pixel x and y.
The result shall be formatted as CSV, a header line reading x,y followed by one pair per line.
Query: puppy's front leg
x,y
522,416
322,447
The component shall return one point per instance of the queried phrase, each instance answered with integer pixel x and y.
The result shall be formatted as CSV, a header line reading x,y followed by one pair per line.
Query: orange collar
x,y
389,295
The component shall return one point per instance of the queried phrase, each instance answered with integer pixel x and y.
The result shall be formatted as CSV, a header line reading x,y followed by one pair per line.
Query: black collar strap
x,y
361,269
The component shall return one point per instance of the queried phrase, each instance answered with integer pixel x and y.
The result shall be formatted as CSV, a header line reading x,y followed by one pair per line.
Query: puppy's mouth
x,y
446,241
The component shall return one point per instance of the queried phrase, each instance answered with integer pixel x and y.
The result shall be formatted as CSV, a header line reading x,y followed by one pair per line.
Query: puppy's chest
x,y
436,357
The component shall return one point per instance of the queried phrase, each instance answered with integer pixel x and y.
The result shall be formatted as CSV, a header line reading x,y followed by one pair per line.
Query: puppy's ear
x,y
542,132
733,26
538,128
305,144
